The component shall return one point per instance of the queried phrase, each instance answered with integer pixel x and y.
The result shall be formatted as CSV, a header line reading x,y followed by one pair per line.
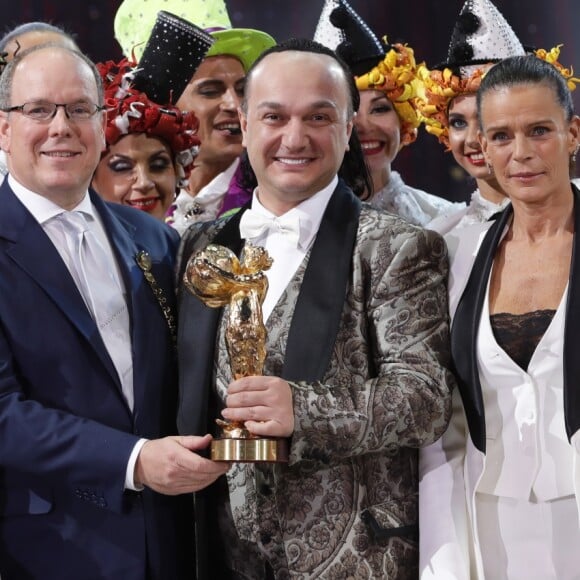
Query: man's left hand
x,y
263,404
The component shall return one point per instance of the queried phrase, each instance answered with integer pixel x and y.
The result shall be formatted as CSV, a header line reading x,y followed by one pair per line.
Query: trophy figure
x,y
218,278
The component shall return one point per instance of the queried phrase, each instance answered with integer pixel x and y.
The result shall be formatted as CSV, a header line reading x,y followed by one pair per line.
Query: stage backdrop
x,y
425,24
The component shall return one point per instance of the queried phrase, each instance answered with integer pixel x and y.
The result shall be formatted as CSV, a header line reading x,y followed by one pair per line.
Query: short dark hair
x,y
307,45
353,169
526,70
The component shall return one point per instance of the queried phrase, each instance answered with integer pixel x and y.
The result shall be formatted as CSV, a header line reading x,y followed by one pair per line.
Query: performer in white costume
x,y
386,76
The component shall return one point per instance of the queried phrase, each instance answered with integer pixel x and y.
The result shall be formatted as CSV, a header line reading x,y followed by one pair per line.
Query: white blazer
x,y
451,469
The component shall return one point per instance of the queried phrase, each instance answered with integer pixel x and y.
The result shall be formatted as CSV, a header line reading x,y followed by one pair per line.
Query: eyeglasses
x,y
45,111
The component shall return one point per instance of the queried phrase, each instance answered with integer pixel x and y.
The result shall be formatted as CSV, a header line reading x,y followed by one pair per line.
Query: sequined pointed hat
x,y
481,36
375,65
344,31
135,18
172,54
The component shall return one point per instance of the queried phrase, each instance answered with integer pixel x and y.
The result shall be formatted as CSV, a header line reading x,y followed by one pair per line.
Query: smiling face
x,y
138,171
379,131
463,136
214,94
296,127
54,158
528,140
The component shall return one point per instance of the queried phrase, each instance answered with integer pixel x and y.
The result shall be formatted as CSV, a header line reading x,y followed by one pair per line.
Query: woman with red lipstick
x,y
150,149
506,479
387,119
448,109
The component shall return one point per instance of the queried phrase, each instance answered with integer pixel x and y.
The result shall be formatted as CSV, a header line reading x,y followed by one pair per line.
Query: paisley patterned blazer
x,y
361,335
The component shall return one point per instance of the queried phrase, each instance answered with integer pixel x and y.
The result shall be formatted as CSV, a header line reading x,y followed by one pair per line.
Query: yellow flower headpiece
x,y
437,89
552,57
396,76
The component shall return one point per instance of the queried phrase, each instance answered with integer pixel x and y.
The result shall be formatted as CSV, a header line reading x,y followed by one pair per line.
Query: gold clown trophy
x,y
218,278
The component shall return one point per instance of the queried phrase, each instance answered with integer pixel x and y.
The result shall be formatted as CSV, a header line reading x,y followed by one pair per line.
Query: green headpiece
x,y
135,19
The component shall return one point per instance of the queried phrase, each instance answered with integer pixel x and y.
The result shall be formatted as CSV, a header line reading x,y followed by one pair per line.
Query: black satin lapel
x,y
572,333
229,235
197,332
319,307
465,327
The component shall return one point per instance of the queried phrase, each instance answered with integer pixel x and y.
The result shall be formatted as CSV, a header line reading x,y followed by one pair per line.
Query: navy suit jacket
x,y
66,432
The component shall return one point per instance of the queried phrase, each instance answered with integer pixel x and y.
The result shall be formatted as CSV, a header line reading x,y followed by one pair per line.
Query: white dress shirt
x,y
287,256
206,204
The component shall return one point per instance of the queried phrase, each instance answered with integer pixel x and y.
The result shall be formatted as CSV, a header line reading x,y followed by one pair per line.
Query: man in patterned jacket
x,y
356,375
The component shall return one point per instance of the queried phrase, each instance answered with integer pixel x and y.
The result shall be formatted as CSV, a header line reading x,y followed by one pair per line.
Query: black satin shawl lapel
x,y
198,326
320,303
465,327
572,332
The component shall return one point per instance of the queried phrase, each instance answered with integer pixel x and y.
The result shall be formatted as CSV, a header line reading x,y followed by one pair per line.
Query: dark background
x,y
425,24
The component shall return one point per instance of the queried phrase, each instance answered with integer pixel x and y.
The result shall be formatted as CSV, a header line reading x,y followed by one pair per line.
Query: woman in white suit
x,y
498,496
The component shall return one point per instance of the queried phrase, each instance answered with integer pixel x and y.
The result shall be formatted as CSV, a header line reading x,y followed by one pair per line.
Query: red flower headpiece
x,y
131,111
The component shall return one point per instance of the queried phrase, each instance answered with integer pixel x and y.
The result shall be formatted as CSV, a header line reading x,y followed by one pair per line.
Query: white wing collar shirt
x,y
287,238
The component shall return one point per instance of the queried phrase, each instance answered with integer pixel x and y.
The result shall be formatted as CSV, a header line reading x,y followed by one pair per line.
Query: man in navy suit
x,y
89,475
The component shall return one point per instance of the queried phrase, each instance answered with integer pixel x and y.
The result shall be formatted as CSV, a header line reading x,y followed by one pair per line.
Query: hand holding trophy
x,y
218,278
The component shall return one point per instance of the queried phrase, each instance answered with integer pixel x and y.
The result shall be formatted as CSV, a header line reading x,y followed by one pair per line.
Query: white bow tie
x,y
253,224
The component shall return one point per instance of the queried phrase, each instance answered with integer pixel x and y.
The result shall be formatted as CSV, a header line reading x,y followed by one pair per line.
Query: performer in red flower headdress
x,y
150,148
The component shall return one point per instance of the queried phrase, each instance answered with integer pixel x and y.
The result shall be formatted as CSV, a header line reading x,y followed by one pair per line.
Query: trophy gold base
x,y
250,450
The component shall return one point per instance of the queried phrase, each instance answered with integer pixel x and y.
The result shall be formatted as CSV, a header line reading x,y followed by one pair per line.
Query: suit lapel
x,y
197,332
465,327
321,300
36,255
572,333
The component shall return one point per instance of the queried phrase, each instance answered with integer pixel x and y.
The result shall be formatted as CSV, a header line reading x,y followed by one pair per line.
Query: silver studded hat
x,y
172,54
326,33
341,29
481,36
134,19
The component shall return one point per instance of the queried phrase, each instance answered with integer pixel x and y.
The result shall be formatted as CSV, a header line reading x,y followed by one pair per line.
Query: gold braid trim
x,y
144,262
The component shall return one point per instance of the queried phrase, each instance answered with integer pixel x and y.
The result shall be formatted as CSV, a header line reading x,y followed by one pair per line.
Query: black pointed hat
x,y
481,36
343,30
173,52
